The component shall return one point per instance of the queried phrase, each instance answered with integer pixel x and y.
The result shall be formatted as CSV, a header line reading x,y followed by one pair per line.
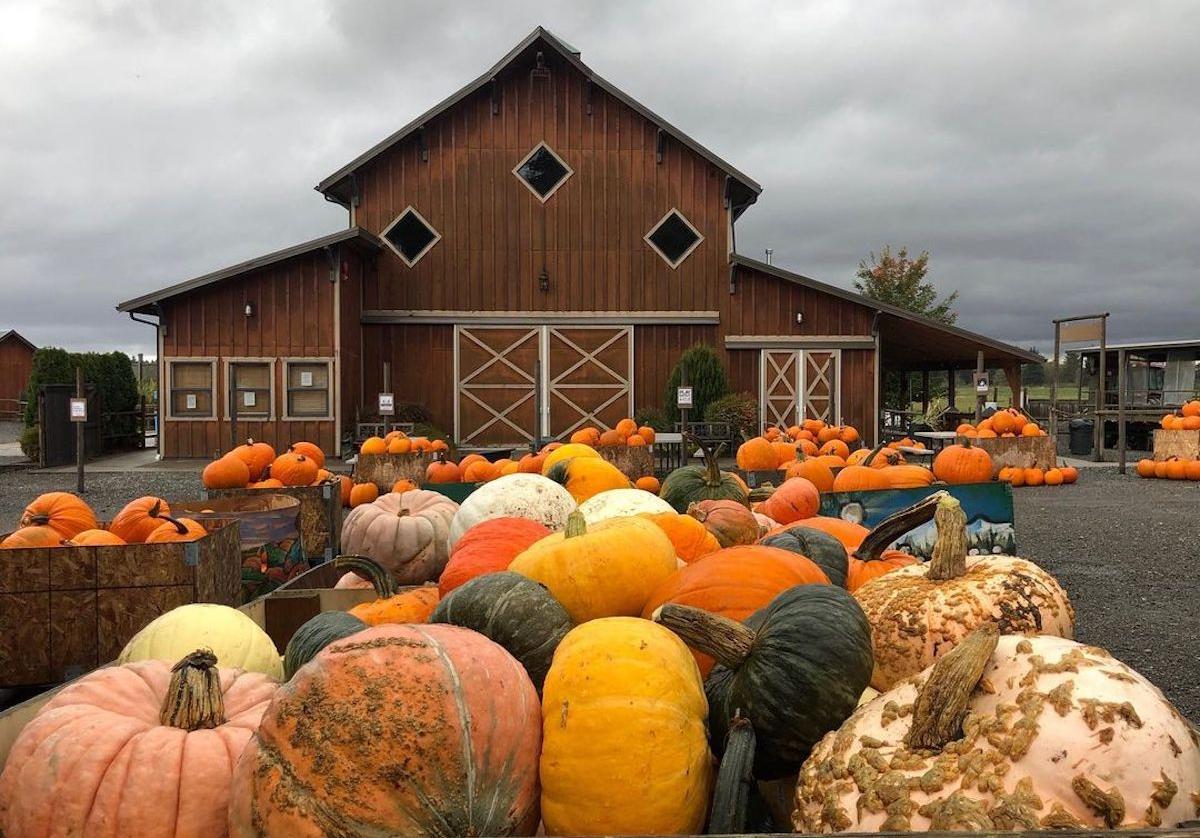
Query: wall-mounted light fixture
x,y
544,280
249,309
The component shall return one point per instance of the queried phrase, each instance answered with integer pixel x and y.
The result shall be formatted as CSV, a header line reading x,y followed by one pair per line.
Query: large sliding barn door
x,y
589,377
495,370
799,384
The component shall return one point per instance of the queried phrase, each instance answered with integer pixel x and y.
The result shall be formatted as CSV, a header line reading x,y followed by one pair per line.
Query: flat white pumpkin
x,y
405,532
520,495
621,503
233,637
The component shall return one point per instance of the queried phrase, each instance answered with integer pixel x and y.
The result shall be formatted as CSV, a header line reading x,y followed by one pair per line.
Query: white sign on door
x,y
683,397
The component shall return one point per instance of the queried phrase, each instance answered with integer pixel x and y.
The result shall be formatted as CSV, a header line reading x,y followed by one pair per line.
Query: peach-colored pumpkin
x,y
407,533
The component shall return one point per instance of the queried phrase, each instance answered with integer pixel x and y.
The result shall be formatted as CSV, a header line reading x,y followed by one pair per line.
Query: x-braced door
x,y
495,371
589,377
799,384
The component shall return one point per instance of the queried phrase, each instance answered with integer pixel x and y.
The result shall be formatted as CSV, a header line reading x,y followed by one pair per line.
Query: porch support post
x,y
979,397
951,395
924,391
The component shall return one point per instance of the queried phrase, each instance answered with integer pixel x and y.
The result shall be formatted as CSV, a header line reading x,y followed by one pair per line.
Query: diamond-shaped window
x,y
674,238
543,172
410,236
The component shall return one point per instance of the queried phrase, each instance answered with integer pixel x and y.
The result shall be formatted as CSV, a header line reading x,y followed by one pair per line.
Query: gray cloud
x,y
1043,153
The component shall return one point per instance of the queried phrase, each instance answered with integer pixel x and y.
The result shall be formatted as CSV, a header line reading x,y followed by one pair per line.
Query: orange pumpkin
x,y
691,539
785,452
1017,478
964,463
1054,477
228,472
1031,429
138,518
586,436
373,445
626,427
269,483
480,471
1005,474
649,483
860,479
1176,469
611,438
808,447
443,471
531,463
1145,467
1192,408
908,476
33,536
836,448
1192,470
1160,469
411,606
849,435
488,547
850,534
647,433
438,446
756,454
95,538
294,469
62,512
813,426
1070,473
636,441
399,445
811,469
729,521
873,559
403,485
257,456
794,500
1034,476
833,461
176,529
363,493
310,450
828,434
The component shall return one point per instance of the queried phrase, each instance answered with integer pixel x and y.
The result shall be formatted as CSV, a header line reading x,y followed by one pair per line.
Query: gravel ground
x,y
1120,546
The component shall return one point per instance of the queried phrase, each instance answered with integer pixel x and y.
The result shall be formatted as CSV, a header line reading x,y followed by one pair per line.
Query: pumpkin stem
x,y
735,779
712,469
949,559
576,525
38,520
155,510
194,699
727,641
180,527
941,704
380,577
896,525
869,462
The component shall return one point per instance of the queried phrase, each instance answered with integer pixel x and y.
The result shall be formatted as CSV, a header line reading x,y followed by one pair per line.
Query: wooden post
x,y
1121,410
979,397
951,393
683,411
386,388
233,407
79,434
1054,386
925,391
1099,430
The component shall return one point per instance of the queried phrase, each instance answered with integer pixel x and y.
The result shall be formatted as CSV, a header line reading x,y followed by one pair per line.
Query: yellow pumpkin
x,y
566,452
607,570
233,637
624,748
585,477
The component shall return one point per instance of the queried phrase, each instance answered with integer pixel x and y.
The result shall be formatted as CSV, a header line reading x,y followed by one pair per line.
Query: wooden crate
x,y
320,514
385,469
1182,444
632,462
1018,451
66,610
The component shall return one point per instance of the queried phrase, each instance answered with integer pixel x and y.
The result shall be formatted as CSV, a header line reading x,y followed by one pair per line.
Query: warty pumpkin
x,y
919,612
690,484
233,637
621,503
794,669
511,610
138,518
793,500
529,496
314,635
605,570
1006,733
62,512
624,749
689,537
730,522
585,477
488,547
144,749
408,533
451,749
963,463
390,606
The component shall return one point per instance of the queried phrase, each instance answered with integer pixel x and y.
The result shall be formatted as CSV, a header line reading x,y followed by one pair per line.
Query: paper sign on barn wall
x,y
248,398
191,401
305,378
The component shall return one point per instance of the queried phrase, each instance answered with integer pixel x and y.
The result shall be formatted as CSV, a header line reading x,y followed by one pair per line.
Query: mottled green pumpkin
x,y
315,635
822,548
513,611
691,484
794,670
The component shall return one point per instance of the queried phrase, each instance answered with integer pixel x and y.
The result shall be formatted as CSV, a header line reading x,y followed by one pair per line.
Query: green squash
x,y
795,670
513,611
824,550
690,484
315,635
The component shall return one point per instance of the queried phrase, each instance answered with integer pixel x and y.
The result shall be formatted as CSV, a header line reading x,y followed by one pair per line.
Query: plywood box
x,y
1018,451
1182,444
632,462
384,470
320,514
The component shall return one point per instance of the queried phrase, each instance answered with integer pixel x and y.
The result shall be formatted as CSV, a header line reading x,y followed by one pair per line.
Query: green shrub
x,y
30,444
738,410
706,376
414,412
111,373
654,418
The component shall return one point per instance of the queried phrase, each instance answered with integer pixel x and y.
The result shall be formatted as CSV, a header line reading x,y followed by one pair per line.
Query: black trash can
x,y
1082,436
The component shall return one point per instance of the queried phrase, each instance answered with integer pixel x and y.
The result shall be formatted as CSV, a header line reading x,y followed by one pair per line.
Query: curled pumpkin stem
x,y
180,527
194,699
941,704
897,524
380,577
727,641
731,794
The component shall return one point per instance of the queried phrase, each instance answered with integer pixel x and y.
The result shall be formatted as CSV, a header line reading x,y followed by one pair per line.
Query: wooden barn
x,y
530,255
16,362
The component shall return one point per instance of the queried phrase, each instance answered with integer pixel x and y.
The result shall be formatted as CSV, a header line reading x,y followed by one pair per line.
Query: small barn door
x,y
589,377
495,370
799,384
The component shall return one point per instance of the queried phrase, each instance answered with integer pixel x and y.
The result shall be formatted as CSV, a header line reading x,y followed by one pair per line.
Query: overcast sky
x,y
1045,153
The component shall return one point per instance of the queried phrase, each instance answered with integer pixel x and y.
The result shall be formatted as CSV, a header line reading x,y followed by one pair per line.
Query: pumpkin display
x,y
793,500
314,635
691,484
621,503
257,456
585,477
452,750
144,749
794,670
820,547
138,518
176,529
228,472
919,612
408,533
293,469
488,547
442,470
690,538
32,536
963,463
1006,733
734,583
729,521
811,469
233,637
519,495
515,612
62,512
624,750
95,538
606,570
411,606
566,452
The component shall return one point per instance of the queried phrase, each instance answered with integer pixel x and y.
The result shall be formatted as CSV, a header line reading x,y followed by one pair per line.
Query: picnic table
x,y
940,439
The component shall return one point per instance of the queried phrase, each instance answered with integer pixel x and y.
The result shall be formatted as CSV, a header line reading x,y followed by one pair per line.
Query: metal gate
x,y
797,384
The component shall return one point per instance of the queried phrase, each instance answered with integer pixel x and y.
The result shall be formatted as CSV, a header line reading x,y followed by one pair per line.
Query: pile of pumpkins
x,y
1008,422
398,442
1060,475
614,662
256,465
1187,418
625,433
1170,468
62,519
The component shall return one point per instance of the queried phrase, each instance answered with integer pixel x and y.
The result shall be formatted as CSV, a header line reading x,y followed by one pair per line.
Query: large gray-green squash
x,y
315,635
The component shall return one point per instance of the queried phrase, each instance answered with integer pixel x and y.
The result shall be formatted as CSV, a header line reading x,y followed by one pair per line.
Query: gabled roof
x,y
1023,355
15,335
333,187
354,236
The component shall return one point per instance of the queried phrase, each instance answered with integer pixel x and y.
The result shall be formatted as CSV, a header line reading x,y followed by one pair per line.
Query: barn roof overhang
x,y
355,237
13,334
908,340
339,187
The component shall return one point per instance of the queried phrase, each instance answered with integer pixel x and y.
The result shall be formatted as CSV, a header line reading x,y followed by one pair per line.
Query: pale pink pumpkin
x,y
98,760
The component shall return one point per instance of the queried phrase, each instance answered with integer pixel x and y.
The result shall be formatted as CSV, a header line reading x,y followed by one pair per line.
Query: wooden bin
x,y
632,462
385,469
1182,444
1018,451
320,514
66,610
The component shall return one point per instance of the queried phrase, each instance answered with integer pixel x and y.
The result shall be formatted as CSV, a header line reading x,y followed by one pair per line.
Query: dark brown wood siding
x,y
16,362
351,350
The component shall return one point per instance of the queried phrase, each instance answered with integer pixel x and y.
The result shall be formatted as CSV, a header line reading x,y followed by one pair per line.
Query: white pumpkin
x,y
519,495
233,637
405,532
620,503
1056,734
